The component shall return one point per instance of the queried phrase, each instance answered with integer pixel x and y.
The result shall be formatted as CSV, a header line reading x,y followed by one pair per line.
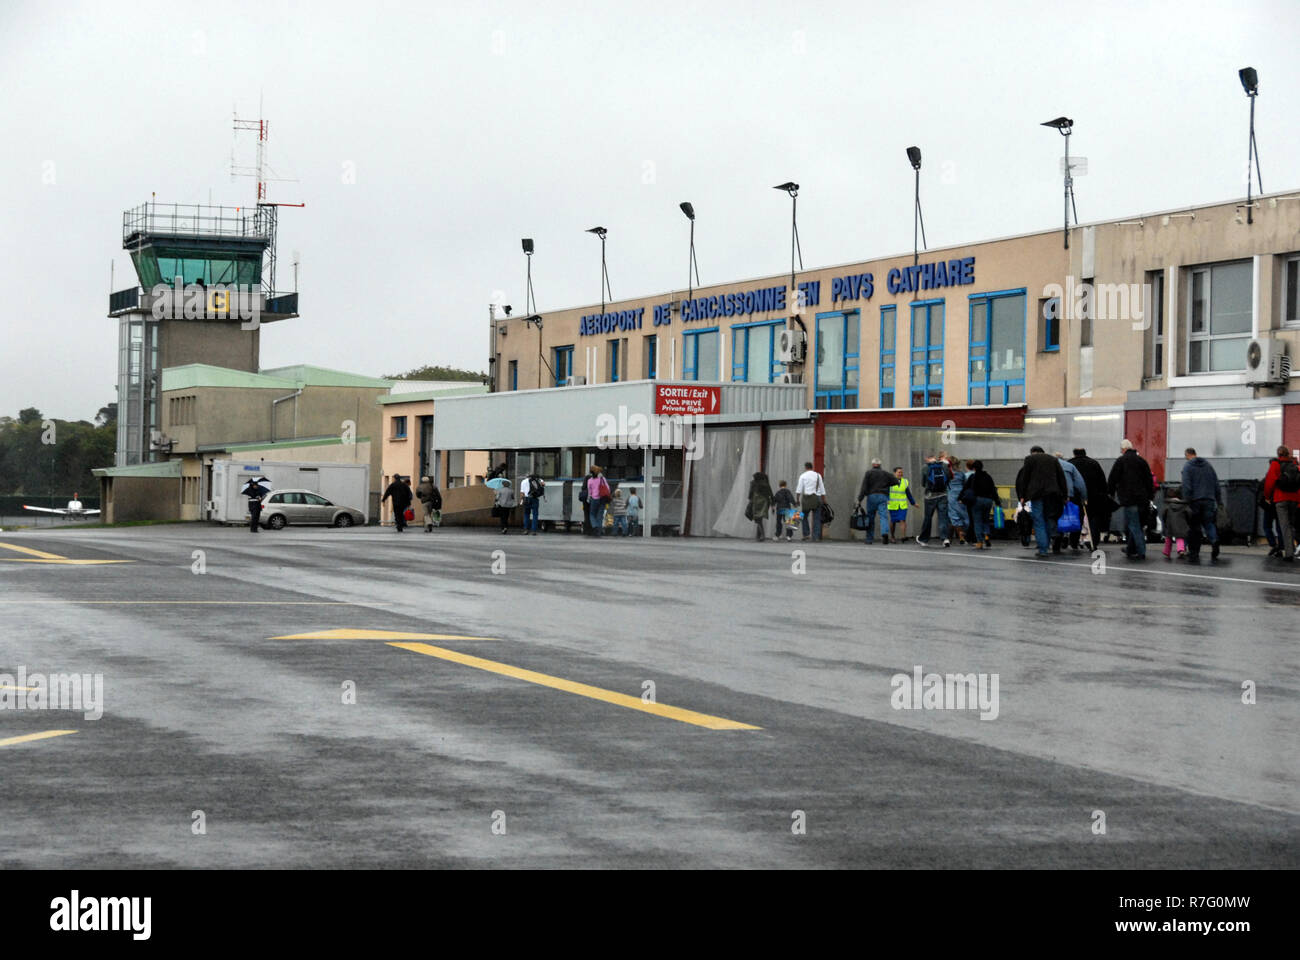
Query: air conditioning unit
x,y
792,378
1267,362
791,346
577,381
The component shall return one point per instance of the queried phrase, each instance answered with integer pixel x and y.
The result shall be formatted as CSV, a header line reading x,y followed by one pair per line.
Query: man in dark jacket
x,y
875,490
254,490
1201,491
1096,497
431,500
935,483
401,497
1041,481
1130,482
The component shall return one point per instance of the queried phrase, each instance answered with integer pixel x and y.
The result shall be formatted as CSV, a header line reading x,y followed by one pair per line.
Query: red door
x,y
1148,431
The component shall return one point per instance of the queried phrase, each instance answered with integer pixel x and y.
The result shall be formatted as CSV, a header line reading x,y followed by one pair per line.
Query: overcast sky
x,y
427,139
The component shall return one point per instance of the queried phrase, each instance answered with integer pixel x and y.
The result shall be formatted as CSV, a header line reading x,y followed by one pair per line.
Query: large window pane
x,y
851,342
1228,354
706,356
1230,299
1198,302
1008,338
830,353
759,367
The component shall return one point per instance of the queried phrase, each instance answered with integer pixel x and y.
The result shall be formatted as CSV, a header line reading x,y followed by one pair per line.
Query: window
x,y
1153,365
1219,316
927,353
1291,290
563,365
888,351
514,374
754,354
997,347
613,361
836,370
1049,325
399,428
701,354
314,500
651,356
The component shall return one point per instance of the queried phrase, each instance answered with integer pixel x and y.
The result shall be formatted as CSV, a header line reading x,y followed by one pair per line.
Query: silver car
x,y
283,507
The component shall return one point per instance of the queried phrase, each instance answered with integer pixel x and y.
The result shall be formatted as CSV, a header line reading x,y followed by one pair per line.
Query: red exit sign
x,y
687,401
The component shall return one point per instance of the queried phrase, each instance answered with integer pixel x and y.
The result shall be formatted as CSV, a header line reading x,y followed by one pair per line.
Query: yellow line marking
x,y
40,556
347,634
28,738
33,553
64,561
581,689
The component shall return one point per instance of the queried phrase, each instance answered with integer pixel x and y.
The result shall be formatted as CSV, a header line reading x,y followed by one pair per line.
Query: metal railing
x,y
196,220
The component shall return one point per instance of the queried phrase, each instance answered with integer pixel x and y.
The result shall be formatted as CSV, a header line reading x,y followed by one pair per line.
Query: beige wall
x,y
213,342
1120,252
140,498
402,456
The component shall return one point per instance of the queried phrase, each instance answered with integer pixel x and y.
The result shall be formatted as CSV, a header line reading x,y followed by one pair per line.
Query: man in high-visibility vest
x,y
900,495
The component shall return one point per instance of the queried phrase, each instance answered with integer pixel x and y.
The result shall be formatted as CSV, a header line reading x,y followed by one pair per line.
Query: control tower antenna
x,y
267,216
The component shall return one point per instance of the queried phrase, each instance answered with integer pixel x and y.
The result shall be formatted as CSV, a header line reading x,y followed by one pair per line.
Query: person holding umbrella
x,y
255,491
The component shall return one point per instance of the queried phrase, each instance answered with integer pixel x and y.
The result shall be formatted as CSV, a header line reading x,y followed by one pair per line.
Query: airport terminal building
x,y
1173,329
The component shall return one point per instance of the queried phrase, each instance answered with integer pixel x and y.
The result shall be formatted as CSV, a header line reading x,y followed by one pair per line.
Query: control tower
x,y
205,285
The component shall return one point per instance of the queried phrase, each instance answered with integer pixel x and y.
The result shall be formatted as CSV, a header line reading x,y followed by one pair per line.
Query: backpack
x,y
1288,477
536,486
936,479
582,491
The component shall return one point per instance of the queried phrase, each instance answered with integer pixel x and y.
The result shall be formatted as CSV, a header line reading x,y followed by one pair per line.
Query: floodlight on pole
x,y
692,264
530,301
604,271
914,157
1250,83
792,188
1065,126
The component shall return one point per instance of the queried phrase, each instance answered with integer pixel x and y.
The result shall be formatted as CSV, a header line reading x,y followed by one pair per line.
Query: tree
x,y
30,415
428,372
107,414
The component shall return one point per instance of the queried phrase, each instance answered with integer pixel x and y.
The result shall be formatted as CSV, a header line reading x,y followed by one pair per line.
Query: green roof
x,y
193,375
464,391
309,376
166,468
275,444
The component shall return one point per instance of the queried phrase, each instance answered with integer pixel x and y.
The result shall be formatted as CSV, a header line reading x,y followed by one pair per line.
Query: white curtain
x,y
719,481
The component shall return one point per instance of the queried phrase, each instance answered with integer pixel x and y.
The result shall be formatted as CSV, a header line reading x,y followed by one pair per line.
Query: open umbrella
x,y
496,483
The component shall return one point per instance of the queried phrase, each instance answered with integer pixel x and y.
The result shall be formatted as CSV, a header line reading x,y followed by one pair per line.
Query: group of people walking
x,y
598,500
399,494
1060,502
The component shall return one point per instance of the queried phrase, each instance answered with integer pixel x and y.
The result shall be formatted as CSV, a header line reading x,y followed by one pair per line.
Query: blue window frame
x,y
399,428
613,361
997,347
888,353
563,365
651,357
835,373
754,354
700,354
927,353
1051,317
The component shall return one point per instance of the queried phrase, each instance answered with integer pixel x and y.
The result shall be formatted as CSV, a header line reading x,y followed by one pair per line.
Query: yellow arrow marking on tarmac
x,y
545,680
40,556
581,689
27,738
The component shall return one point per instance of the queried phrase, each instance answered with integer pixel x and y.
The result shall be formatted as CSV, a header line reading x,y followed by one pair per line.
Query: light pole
x,y
1065,126
792,188
1250,83
530,301
689,210
604,272
914,156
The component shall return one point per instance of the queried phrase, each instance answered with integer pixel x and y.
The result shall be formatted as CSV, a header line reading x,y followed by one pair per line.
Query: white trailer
x,y
346,484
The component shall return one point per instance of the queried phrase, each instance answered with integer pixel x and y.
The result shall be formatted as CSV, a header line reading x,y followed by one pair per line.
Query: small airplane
x,y
73,509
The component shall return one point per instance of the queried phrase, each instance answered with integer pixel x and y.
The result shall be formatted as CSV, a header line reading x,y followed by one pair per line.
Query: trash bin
x,y
1240,501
